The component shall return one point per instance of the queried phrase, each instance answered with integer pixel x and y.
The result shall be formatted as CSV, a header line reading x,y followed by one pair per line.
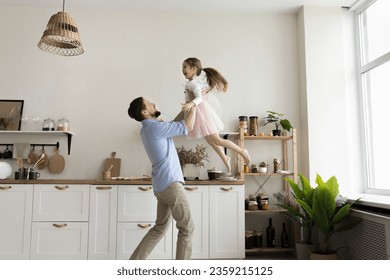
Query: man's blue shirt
x,y
161,150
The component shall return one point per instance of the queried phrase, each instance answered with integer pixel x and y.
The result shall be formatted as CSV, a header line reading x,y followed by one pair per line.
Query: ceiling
x,y
212,6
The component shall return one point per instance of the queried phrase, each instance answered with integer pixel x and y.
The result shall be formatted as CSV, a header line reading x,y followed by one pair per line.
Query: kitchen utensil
x,y
56,163
20,163
33,175
5,170
116,162
109,169
106,175
32,157
41,158
43,163
7,153
214,174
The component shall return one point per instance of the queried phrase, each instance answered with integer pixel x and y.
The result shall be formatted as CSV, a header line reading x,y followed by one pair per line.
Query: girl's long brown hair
x,y
214,78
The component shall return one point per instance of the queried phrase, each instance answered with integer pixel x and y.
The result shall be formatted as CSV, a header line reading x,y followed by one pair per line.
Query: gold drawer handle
x,y
59,225
191,189
144,226
5,188
145,189
226,189
103,188
61,188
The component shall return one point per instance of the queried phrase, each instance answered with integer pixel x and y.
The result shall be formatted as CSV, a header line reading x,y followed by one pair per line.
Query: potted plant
x,y
276,119
302,191
327,215
192,160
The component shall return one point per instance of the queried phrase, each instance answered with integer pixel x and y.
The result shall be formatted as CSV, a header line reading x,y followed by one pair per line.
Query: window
x,y
374,74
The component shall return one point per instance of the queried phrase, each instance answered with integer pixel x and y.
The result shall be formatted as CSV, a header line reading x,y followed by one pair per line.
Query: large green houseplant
x,y
327,215
304,192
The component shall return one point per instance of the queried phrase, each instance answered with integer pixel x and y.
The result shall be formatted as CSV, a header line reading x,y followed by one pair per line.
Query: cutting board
x,y
116,163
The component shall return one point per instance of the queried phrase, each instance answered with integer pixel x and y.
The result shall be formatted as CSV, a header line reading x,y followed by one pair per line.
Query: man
x,y
167,177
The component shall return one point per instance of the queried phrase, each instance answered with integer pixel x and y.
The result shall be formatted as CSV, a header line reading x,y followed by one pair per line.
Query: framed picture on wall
x,y
11,114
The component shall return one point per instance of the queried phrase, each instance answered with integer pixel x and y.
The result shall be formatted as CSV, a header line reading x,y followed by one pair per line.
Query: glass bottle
x,y
270,234
284,237
276,165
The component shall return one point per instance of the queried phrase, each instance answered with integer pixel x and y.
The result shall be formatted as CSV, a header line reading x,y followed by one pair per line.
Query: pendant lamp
x,y
61,35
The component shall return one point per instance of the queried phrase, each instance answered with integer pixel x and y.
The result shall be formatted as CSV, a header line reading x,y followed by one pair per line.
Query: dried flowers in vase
x,y
196,157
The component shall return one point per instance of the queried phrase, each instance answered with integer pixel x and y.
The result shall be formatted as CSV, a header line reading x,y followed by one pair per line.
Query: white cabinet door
x,y
61,203
227,221
131,234
59,240
102,223
136,204
198,197
15,221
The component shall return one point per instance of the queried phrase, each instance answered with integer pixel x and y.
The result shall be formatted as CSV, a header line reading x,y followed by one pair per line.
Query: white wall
x,y
139,53
329,101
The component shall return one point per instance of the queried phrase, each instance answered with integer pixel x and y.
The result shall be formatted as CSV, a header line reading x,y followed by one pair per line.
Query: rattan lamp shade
x,y
61,36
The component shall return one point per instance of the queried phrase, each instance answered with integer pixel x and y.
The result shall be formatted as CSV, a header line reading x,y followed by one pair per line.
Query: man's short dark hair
x,y
135,109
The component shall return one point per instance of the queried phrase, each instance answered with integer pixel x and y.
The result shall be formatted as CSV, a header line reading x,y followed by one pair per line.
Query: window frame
x,y
364,67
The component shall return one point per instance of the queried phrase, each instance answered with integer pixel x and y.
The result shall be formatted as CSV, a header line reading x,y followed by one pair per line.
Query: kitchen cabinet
x,y
61,203
130,235
137,208
59,240
227,223
198,197
289,155
102,222
98,221
15,220
60,222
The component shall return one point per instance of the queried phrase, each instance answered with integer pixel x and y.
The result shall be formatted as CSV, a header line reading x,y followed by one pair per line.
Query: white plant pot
x,y
191,171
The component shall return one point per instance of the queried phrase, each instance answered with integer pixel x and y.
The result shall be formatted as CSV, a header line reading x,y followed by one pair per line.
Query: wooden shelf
x,y
69,134
268,174
276,210
266,250
276,138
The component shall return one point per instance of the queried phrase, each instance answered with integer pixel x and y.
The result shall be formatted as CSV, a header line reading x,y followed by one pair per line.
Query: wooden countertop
x,y
114,182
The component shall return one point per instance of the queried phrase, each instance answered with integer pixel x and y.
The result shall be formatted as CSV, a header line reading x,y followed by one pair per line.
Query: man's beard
x,y
157,114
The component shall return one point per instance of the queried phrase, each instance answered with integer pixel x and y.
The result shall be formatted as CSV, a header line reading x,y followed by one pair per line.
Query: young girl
x,y
198,92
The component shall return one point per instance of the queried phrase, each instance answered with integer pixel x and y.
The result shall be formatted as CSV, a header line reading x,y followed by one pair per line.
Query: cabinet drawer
x,y
136,203
131,234
59,240
61,203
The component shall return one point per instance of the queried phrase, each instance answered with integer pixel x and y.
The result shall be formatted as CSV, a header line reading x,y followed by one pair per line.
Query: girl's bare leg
x,y
215,139
220,152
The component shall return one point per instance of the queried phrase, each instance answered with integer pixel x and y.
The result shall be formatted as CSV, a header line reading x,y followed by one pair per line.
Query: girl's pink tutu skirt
x,y
207,119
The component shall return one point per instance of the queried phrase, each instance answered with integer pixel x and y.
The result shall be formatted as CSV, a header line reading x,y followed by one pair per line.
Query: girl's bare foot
x,y
246,156
227,164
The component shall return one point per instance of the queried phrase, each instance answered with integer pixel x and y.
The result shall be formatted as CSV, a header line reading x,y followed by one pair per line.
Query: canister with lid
x,y
253,125
48,125
63,125
243,120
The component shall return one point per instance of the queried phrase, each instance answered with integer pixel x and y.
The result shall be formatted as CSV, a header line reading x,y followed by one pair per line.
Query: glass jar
x,y
276,165
253,125
63,125
48,125
254,168
244,124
